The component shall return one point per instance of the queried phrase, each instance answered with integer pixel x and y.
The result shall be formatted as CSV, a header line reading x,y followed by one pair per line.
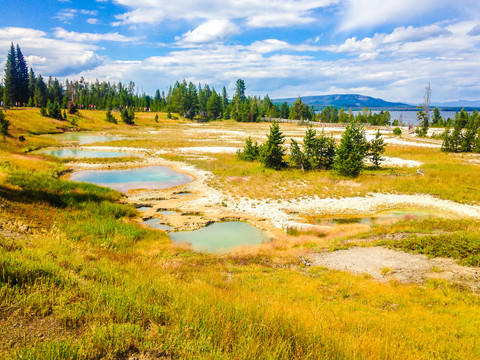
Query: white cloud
x,y
66,15
273,19
88,12
258,13
370,13
432,40
92,21
91,37
268,68
50,56
474,31
209,32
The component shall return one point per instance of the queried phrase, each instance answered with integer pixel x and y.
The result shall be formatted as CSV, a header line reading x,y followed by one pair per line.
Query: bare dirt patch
x,y
385,264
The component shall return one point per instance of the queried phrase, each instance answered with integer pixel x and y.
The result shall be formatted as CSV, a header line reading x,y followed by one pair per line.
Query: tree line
x,y
318,152
22,87
465,134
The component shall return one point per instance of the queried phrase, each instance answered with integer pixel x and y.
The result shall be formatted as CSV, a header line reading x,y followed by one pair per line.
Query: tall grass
x,y
116,291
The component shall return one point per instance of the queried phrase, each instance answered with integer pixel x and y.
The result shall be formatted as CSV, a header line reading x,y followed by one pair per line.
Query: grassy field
x,y
79,279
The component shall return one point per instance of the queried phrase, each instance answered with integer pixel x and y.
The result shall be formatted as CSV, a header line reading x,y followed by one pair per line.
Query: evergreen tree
x,y
250,152
437,118
351,152
4,124
284,110
40,95
10,95
376,149
127,116
298,110
297,157
422,118
214,106
31,87
272,152
240,91
22,77
224,99
109,117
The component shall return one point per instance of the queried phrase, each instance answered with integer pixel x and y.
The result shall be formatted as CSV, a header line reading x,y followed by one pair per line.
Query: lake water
x,y
79,153
410,117
150,177
221,236
384,217
83,138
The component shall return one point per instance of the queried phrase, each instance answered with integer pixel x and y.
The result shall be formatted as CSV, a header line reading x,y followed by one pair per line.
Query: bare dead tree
x,y
426,101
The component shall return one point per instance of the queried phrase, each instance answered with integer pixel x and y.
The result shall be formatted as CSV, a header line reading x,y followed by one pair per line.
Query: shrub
x,y
250,152
397,131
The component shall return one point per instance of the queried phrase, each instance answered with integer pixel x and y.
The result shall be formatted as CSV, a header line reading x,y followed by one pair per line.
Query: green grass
x,y
462,245
103,287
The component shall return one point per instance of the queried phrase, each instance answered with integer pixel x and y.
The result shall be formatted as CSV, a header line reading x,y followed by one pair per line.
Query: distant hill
x,y
347,101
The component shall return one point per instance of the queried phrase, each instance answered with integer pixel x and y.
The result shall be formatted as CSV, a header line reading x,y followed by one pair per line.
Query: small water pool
x,y
80,153
383,217
86,138
149,177
167,212
143,208
221,237
156,224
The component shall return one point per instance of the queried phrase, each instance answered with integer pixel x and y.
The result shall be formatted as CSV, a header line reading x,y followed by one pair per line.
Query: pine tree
x,y
284,110
224,100
272,152
214,106
240,91
31,87
437,118
40,93
22,77
109,117
376,149
351,152
4,124
10,81
297,157
250,152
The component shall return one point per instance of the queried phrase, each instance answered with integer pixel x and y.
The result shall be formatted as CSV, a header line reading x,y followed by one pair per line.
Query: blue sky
x,y
382,48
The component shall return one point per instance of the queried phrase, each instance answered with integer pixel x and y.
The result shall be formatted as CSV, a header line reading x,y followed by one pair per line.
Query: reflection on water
x,y
156,224
221,237
167,212
86,138
150,177
143,208
384,217
80,153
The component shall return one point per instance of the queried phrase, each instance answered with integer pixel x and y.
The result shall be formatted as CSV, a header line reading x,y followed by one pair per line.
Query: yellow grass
x,y
141,295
